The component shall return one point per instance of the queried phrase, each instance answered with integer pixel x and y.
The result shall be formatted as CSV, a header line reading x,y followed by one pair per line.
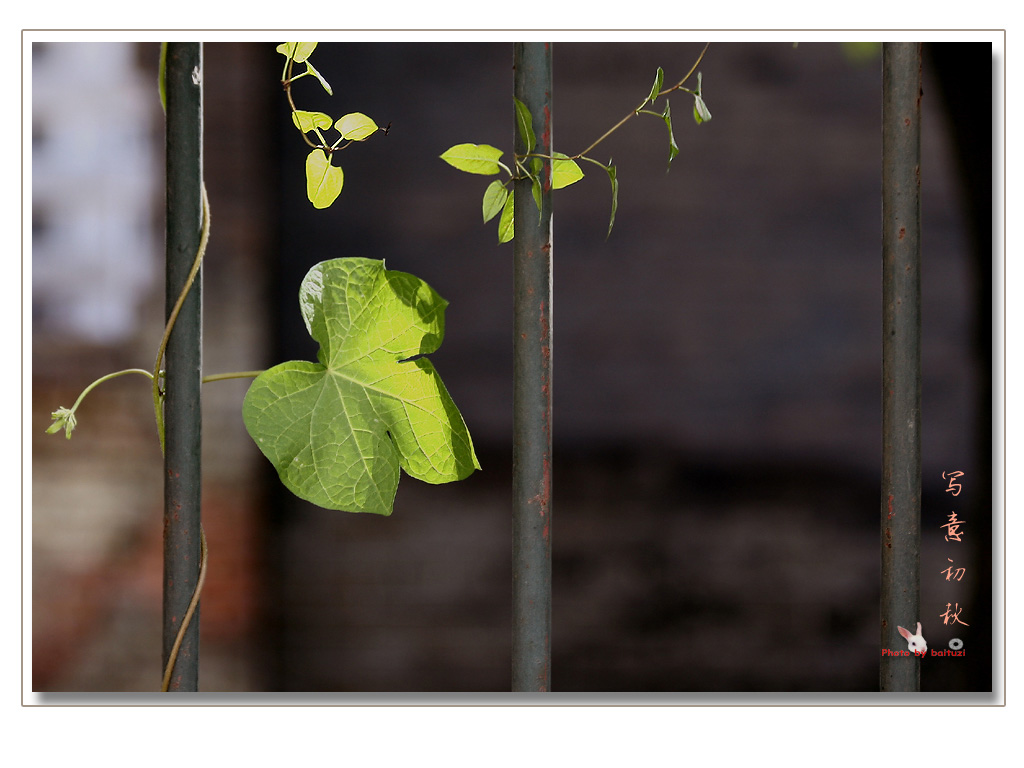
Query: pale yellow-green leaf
x,y
307,121
506,224
564,171
524,124
355,126
326,86
298,51
474,158
494,200
323,180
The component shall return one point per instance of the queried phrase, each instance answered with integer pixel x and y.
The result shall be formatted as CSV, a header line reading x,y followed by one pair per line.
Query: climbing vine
x,y
324,179
484,159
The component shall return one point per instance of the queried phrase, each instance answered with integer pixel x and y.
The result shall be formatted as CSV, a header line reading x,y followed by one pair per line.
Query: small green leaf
x,y
701,113
524,123
673,148
564,171
536,165
323,180
337,431
494,200
474,158
312,70
298,51
659,81
309,121
506,224
355,126
615,195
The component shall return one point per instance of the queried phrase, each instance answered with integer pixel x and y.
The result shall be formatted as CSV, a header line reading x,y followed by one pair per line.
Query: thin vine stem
x,y
64,418
639,109
109,376
286,82
204,239
232,375
172,657
640,106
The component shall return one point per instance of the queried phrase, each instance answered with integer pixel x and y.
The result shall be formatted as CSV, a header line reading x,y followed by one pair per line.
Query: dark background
x,y
716,364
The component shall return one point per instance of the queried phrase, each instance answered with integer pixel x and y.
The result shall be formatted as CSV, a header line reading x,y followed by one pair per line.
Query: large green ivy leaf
x,y
338,430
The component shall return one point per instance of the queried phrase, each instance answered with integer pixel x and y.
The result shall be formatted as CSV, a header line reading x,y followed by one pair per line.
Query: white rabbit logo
x,y
916,642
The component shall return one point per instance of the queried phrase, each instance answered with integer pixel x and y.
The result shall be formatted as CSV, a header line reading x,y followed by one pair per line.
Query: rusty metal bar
x,y
531,451
901,361
182,415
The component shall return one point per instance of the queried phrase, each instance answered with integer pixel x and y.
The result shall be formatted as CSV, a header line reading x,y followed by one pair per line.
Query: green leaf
x,y
673,148
338,430
355,126
615,195
564,171
298,51
524,123
506,224
701,113
494,200
309,121
323,180
312,70
536,165
659,81
474,158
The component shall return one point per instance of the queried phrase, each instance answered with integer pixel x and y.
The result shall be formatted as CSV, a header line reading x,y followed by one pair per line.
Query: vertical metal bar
x,y
531,451
901,360
182,416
